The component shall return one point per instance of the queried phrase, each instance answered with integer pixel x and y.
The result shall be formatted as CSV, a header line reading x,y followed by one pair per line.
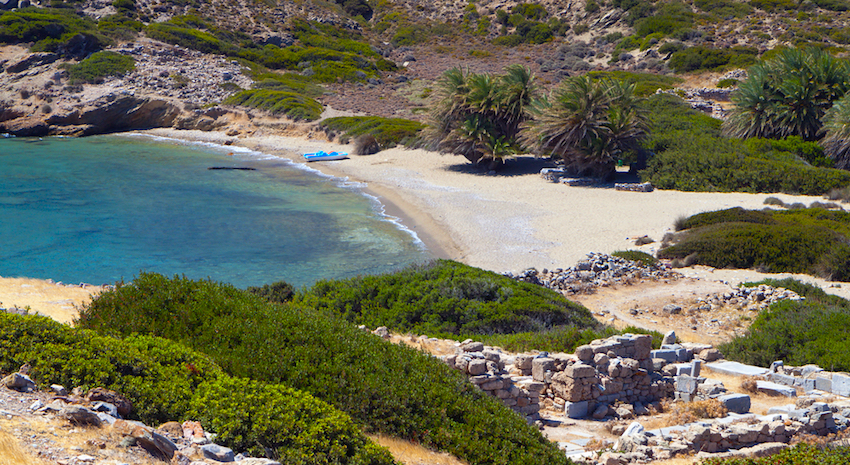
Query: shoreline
x,y
509,221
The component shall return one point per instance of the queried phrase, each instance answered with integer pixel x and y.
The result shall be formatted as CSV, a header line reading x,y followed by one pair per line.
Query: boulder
x,y
472,347
154,443
670,337
19,382
218,453
122,404
80,416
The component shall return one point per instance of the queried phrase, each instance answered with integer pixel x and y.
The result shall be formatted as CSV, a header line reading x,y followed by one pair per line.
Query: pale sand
x,y
504,222
507,221
43,297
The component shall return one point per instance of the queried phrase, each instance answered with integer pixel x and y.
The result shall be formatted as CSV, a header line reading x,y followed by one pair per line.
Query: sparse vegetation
x,y
99,66
388,132
801,454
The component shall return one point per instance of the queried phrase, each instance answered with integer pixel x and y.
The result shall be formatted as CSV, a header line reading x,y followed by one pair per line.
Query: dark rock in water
x,y
239,168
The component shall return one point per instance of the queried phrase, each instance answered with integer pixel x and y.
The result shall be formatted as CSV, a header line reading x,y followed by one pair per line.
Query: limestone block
x,y
539,366
669,356
472,347
774,389
523,362
493,385
585,353
579,371
841,384
737,403
477,367
576,409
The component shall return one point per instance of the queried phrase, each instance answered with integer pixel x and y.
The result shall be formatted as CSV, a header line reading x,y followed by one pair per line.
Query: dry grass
x,y
11,452
414,454
759,402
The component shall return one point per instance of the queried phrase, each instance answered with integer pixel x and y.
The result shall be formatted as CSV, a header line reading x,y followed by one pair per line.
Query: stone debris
x,y
598,270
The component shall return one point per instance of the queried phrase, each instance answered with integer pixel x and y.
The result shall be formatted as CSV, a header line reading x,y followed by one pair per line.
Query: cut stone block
x,y
668,356
841,385
736,369
823,384
737,403
774,389
576,409
782,379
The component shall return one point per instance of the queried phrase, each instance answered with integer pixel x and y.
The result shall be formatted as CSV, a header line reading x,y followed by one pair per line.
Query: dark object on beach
x,y
242,168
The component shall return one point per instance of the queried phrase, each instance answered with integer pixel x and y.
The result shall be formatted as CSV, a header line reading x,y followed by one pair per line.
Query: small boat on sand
x,y
325,156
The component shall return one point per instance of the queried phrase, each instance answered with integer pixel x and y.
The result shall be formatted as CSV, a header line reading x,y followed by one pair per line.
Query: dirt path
x,y
641,305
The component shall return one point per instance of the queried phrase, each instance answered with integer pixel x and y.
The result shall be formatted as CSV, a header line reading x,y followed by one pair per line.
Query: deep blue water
x,y
101,209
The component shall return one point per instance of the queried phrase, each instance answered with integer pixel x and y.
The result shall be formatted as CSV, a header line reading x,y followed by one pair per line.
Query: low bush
x,y
388,132
388,388
691,155
99,66
292,104
50,30
637,256
799,332
561,338
801,454
278,292
813,241
645,83
299,429
166,381
701,58
446,298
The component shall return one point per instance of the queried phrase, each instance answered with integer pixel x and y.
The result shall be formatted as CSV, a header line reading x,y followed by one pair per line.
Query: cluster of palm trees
x,y
588,123
797,92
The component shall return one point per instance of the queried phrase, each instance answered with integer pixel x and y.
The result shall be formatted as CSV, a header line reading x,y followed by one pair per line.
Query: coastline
x,y
504,222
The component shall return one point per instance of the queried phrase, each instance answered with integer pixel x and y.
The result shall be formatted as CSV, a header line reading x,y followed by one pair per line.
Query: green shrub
x,y
708,58
297,427
278,292
726,83
120,27
388,388
292,104
389,132
49,29
691,155
669,19
561,339
100,65
643,258
446,298
166,381
645,83
813,241
801,454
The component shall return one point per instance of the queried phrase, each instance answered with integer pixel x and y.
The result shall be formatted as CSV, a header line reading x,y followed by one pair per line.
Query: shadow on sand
x,y
525,165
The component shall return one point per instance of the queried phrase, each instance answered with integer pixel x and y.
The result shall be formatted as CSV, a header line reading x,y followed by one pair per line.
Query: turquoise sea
x,y
101,209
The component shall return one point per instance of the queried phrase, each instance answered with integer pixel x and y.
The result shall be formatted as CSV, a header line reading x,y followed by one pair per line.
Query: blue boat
x,y
325,156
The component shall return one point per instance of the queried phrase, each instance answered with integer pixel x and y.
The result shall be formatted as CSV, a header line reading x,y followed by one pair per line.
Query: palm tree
x,y
588,124
787,95
478,115
836,125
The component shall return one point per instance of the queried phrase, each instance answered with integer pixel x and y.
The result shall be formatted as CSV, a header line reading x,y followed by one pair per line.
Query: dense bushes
x,y
300,429
446,298
166,381
691,155
388,132
100,65
51,30
809,331
388,388
801,454
813,241
281,94
708,58
562,338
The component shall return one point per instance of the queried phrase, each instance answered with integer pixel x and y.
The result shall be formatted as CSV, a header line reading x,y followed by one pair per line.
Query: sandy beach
x,y
507,221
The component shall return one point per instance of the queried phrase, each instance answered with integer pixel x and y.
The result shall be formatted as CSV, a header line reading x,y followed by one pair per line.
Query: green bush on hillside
x,y
99,66
561,338
286,94
389,132
691,155
166,381
813,241
646,84
446,298
388,388
701,58
300,429
49,29
810,331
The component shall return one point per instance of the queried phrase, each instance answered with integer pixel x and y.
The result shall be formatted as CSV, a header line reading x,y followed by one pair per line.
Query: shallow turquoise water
x,y
101,209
